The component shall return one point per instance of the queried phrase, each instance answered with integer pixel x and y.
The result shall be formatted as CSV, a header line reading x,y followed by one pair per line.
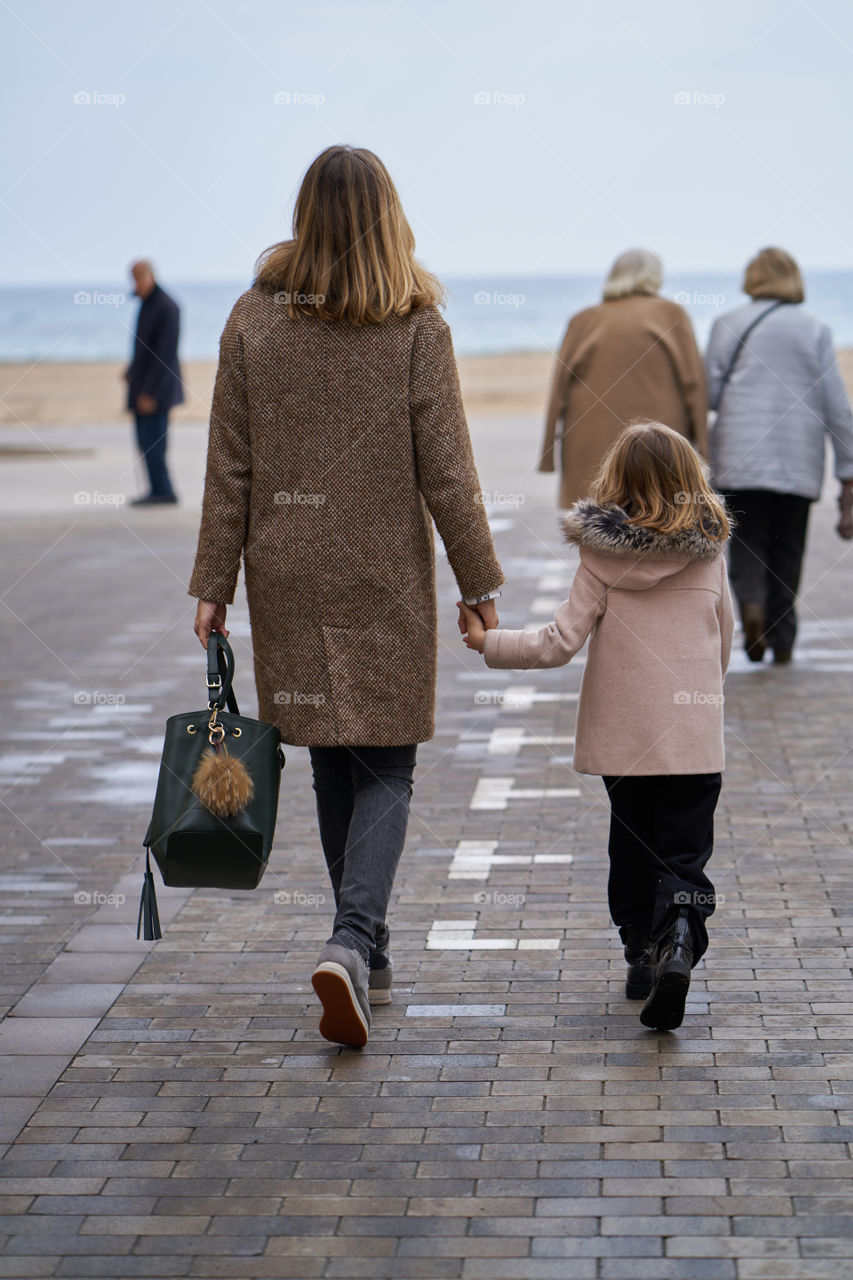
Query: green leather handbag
x,y
217,795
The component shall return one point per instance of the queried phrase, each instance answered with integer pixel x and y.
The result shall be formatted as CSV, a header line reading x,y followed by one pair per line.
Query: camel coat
x,y
330,447
627,359
659,616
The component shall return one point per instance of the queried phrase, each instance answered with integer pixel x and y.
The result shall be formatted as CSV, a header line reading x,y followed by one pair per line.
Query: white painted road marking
x,y
521,698
455,1010
496,793
505,742
458,935
474,859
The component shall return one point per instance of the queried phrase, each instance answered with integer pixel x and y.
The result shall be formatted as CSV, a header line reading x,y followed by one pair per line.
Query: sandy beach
x,y
49,394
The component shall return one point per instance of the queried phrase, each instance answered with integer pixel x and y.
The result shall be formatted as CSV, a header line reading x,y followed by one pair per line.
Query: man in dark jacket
x,y
154,380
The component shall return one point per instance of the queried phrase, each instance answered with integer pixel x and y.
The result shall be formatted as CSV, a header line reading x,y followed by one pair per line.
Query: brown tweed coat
x,y
622,360
330,446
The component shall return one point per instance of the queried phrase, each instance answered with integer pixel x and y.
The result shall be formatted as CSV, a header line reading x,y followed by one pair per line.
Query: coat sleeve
x,y
225,509
558,403
691,379
447,473
726,614
837,414
558,642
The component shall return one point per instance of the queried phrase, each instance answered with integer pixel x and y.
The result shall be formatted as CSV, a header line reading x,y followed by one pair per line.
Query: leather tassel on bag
x,y
149,917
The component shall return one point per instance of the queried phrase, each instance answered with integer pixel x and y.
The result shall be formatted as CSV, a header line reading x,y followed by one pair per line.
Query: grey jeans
x,y
363,796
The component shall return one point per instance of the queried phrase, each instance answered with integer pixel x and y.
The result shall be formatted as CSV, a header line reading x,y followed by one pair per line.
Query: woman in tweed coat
x,y
775,383
337,430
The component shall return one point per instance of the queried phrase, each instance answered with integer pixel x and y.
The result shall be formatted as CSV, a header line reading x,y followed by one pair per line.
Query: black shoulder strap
x,y
741,343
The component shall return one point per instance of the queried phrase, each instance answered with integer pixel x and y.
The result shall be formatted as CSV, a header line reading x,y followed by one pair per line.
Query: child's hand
x,y
471,626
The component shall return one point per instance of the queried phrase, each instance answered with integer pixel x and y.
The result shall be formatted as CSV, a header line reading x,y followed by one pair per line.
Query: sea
x,y
488,315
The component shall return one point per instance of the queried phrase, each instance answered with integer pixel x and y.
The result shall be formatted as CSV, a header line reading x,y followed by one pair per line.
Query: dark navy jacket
x,y
154,369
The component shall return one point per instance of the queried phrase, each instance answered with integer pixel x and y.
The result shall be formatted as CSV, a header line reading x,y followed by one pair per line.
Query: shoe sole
x,y
379,995
665,1008
343,1021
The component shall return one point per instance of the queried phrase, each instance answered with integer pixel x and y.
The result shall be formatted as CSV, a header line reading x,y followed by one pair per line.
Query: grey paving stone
x,y
256,1268
71,999
528,1269
21,1073
81,966
16,1111
22,1268
112,1268
668,1269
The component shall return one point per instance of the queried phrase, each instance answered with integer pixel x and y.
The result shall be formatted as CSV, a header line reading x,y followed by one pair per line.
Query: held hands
x,y
486,610
209,616
472,625
145,404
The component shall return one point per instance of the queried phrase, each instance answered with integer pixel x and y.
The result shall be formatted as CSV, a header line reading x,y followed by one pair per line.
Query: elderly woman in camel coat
x,y
337,436
631,357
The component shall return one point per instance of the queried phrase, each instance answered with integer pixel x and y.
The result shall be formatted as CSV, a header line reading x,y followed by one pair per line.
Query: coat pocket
x,y
379,682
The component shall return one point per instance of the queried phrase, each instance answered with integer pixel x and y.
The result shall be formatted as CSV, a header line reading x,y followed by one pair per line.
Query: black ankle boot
x,y
752,617
640,954
664,1009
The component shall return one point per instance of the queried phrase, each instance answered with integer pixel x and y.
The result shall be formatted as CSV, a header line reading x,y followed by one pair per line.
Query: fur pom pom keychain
x,y
222,782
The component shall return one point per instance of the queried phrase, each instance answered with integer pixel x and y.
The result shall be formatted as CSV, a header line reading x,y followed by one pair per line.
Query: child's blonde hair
x,y
659,480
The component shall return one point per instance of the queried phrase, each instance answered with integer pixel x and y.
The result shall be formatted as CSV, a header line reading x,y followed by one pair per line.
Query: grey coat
x,y
784,397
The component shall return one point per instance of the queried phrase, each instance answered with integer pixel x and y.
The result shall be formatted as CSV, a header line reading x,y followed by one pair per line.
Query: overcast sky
x,y
525,137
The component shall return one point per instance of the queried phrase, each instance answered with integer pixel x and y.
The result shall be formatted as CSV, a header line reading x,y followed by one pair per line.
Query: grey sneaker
x,y
340,980
381,977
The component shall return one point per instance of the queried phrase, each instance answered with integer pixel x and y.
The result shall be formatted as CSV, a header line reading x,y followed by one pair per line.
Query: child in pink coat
x,y
651,593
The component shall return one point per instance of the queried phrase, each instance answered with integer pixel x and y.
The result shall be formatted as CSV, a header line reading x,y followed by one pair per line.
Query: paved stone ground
x,y
170,1110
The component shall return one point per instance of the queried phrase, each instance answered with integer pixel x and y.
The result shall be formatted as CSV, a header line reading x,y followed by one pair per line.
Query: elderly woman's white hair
x,y
634,271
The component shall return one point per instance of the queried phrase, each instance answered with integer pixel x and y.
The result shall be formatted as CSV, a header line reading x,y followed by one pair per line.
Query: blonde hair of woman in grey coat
x,y
652,595
337,436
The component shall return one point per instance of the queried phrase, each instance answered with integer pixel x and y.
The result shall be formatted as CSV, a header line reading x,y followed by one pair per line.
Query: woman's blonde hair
x,y
634,271
773,273
659,480
352,253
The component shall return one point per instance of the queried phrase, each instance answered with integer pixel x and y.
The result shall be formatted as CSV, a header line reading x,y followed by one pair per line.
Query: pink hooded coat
x,y
658,611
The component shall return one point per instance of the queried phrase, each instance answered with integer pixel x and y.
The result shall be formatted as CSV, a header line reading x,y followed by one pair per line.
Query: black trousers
x,y
766,557
661,837
152,433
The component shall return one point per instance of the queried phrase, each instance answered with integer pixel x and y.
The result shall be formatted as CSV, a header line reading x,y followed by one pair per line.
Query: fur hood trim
x,y
607,529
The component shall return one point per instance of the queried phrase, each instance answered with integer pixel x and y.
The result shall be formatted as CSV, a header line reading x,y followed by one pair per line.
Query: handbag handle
x,y
220,673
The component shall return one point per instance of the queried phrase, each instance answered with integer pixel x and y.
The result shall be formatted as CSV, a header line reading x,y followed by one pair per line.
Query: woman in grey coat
x,y
774,382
